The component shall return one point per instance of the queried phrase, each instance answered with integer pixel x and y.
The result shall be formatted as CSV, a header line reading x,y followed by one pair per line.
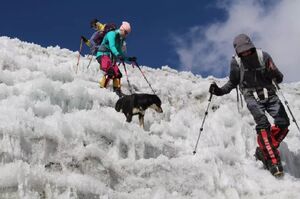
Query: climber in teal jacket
x,y
114,43
111,50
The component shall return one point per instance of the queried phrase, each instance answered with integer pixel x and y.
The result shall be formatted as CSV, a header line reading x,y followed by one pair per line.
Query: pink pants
x,y
106,64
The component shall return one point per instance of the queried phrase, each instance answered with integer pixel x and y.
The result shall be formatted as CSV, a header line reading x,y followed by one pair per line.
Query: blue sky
x,y
193,35
153,23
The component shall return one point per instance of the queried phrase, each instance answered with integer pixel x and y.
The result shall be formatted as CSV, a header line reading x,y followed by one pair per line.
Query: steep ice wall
x,y
60,136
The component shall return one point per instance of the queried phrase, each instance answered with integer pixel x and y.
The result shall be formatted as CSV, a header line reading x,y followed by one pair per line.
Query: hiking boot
x,y
276,170
260,156
103,82
118,92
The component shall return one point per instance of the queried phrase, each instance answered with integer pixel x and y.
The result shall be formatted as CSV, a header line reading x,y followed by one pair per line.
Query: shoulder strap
x,y
260,57
240,65
238,60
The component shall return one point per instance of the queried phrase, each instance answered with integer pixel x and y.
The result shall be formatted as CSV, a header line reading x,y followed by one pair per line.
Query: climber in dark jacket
x,y
254,71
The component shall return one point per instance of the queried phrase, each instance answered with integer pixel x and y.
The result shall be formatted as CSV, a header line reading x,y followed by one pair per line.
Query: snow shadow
x,y
290,160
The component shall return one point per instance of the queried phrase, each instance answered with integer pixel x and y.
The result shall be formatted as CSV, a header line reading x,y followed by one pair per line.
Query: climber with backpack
x,y
111,50
97,37
254,71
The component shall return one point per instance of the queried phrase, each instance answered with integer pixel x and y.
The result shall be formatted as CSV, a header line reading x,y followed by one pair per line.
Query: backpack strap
x,y
240,65
259,53
238,60
260,57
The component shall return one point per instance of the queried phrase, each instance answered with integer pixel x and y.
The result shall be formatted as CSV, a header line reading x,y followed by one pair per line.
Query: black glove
x,y
84,39
133,59
121,58
215,90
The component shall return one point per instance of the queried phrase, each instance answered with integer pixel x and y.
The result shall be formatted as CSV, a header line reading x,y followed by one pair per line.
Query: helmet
x,y
125,26
93,22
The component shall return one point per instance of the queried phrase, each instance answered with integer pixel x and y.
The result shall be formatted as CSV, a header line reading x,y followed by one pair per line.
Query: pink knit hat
x,y
125,26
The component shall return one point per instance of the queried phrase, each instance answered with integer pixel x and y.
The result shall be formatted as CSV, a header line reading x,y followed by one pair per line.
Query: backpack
x,y
242,69
242,72
100,35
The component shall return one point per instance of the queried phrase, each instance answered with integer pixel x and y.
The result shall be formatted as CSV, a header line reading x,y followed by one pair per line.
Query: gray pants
x,y
273,106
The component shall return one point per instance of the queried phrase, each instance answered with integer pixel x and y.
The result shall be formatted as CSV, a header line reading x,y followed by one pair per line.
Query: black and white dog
x,y
137,104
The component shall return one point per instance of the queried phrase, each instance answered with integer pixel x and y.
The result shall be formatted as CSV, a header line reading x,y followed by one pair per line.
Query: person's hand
x,y
215,90
84,39
121,58
132,59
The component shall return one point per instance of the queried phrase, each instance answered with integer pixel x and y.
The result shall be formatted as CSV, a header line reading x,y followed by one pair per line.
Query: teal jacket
x,y
112,43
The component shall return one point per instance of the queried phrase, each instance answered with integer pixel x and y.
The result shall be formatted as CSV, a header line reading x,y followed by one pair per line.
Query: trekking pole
x,y
129,85
201,128
80,48
286,103
238,100
90,61
144,76
91,54
241,97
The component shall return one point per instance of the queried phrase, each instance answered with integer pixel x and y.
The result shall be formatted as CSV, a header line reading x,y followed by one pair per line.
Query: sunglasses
x,y
246,53
124,32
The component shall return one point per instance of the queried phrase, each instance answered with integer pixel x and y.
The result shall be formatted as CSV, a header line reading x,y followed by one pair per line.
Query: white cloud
x,y
275,28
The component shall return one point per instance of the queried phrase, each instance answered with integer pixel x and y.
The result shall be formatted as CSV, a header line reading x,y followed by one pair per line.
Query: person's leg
x,y
117,86
117,72
257,110
271,154
271,158
264,137
104,81
105,64
117,80
281,121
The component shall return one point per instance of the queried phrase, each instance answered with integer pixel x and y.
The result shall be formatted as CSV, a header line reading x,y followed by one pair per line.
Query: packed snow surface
x,y
60,136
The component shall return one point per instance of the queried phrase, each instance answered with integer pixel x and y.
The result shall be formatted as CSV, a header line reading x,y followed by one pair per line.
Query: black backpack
x,y
99,37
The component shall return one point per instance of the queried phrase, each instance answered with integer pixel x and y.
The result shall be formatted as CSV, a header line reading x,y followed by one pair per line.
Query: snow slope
x,y
60,136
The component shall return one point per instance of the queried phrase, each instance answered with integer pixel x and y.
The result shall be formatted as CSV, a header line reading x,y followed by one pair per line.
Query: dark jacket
x,y
253,77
